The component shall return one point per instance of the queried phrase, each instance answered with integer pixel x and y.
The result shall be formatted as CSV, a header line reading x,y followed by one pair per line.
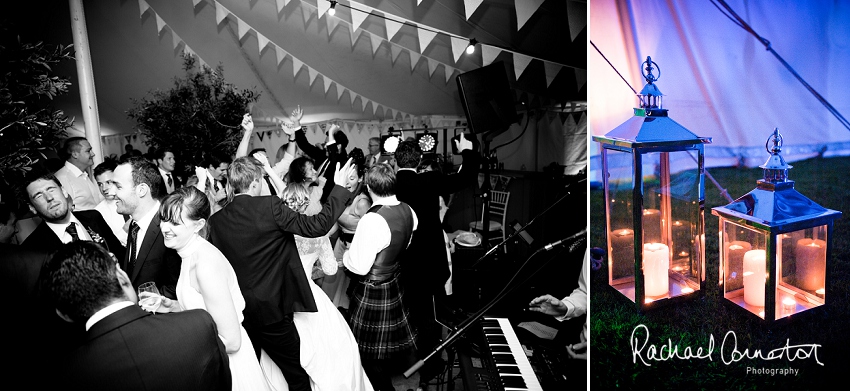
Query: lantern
x,y
774,245
653,178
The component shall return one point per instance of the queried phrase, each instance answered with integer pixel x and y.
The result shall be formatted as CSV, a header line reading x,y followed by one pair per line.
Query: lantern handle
x,y
777,139
648,76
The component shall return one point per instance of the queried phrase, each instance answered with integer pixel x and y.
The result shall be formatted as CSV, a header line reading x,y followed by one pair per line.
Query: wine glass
x,y
149,297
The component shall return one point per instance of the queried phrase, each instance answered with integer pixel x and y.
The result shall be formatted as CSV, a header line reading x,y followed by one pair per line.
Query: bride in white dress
x,y
207,281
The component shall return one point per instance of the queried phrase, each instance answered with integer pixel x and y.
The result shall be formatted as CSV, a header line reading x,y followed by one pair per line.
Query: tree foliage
x,y
199,115
29,125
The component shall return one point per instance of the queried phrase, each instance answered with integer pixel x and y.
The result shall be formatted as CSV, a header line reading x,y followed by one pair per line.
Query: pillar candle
x,y
811,263
755,262
651,225
656,261
735,263
622,253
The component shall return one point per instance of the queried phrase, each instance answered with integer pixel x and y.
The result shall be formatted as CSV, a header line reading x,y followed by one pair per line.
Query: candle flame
x,y
820,291
789,301
683,254
736,247
761,314
648,300
813,244
677,223
687,290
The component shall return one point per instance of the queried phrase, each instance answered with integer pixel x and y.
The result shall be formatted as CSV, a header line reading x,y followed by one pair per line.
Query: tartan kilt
x,y
379,320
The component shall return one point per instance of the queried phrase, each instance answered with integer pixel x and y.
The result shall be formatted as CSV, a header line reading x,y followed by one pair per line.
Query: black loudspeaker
x,y
487,99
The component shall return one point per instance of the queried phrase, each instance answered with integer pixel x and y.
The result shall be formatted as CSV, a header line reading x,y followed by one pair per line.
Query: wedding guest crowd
x,y
318,272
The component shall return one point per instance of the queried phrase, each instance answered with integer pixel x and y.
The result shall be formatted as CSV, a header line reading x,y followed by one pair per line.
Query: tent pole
x,y
85,77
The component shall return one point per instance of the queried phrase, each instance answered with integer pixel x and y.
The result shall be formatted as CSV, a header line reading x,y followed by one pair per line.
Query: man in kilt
x,y
379,319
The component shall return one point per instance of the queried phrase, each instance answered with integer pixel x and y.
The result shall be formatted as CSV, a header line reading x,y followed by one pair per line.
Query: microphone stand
x,y
470,320
513,235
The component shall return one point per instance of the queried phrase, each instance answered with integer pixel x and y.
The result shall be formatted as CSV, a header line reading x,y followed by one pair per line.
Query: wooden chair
x,y
498,212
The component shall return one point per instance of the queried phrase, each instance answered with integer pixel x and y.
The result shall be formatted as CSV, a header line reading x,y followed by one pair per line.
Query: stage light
x,y
427,142
471,48
332,11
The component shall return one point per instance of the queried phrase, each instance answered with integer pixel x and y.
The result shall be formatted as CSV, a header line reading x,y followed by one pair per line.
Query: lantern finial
x,y
775,168
650,95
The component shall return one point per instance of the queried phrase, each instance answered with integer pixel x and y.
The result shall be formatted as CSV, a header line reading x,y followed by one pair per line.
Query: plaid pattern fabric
x,y
379,320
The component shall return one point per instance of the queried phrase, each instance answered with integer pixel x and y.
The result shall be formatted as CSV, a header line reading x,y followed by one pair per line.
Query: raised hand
x,y
341,174
201,173
463,144
296,115
264,160
289,128
247,122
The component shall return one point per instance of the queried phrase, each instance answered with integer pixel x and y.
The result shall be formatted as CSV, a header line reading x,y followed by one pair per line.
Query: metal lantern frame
x,y
647,277
772,221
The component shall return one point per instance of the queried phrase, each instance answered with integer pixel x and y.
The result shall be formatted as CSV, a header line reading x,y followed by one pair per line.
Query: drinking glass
x,y
149,297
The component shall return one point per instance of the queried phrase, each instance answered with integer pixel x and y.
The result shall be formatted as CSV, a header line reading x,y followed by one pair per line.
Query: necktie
x,y
72,230
131,245
216,186
170,181
272,190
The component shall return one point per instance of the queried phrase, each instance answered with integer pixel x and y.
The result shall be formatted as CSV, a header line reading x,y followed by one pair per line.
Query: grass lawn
x,y
695,323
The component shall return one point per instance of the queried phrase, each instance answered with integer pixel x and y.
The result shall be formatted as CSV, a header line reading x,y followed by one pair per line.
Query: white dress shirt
x,y
80,186
372,235
165,174
116,221
576,302
106,311
64,236
144,223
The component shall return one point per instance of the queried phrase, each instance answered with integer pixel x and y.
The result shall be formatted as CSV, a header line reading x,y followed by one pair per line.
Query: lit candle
x,y
656,261
811,263
789,306
735,262
651,225
820,292
681,242
622,253
755,262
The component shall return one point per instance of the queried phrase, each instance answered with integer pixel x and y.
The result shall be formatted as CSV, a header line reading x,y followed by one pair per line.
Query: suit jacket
x,y
426,256
256,235
135,350
43,238
154,261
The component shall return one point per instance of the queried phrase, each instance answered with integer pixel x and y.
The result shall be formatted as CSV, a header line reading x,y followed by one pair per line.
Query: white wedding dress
x,y
329,352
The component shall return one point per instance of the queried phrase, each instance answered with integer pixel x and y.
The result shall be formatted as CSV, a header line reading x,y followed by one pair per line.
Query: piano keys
x,y
503,364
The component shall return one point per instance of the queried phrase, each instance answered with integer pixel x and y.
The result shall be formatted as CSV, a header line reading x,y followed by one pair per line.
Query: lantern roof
x,y
774,202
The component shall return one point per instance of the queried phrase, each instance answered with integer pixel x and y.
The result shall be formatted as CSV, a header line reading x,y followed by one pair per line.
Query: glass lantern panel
x,y
682,222
802,256
744,262
619,211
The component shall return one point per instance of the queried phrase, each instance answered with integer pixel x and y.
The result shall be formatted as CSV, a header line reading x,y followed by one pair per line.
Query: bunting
x,y
432,66
296,66
576,17
524,10
489,53
280,53
262,41
449,73
469,6
355,33
143,6
376,43
520,63
358,17
313,73
281,4
551,70
392,28
414,59
458,47
339,92
581,77
327,84
160,24
323,7
396,50
242,28
425,38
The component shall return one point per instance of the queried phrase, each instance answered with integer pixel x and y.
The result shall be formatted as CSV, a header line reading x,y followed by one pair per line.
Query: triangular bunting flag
x,y
376,43
261,135
576,17
418,2
332,23
396,50
520,63
296,66
449,72
324,6
327,83
414,59
195,2
358,15
375,108
576,116
307,13
187,50
353,96
175,40
563,117
489,53
262,41
581,77
458,47
281,4
313,73
242,28
339,92
469,6
524,10
552,70
220,13
425,38
355,33
432,66
143,6
160,24
280,53
364,102
392,28
392,113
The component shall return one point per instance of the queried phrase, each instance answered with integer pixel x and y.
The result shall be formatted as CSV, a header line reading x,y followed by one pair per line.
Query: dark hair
x,y
341,139
359,160
193,200
128,148
38,174
215,160
159,153
107,165
298,169
81,277
408,154
72,145
144,171
381,180
431,163
255,150
242,172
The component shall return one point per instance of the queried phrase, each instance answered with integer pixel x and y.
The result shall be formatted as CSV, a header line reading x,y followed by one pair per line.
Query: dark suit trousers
x,y
281,342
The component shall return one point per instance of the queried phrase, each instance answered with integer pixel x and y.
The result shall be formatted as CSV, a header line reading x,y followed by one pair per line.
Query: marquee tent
x,y
719,81
372,65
